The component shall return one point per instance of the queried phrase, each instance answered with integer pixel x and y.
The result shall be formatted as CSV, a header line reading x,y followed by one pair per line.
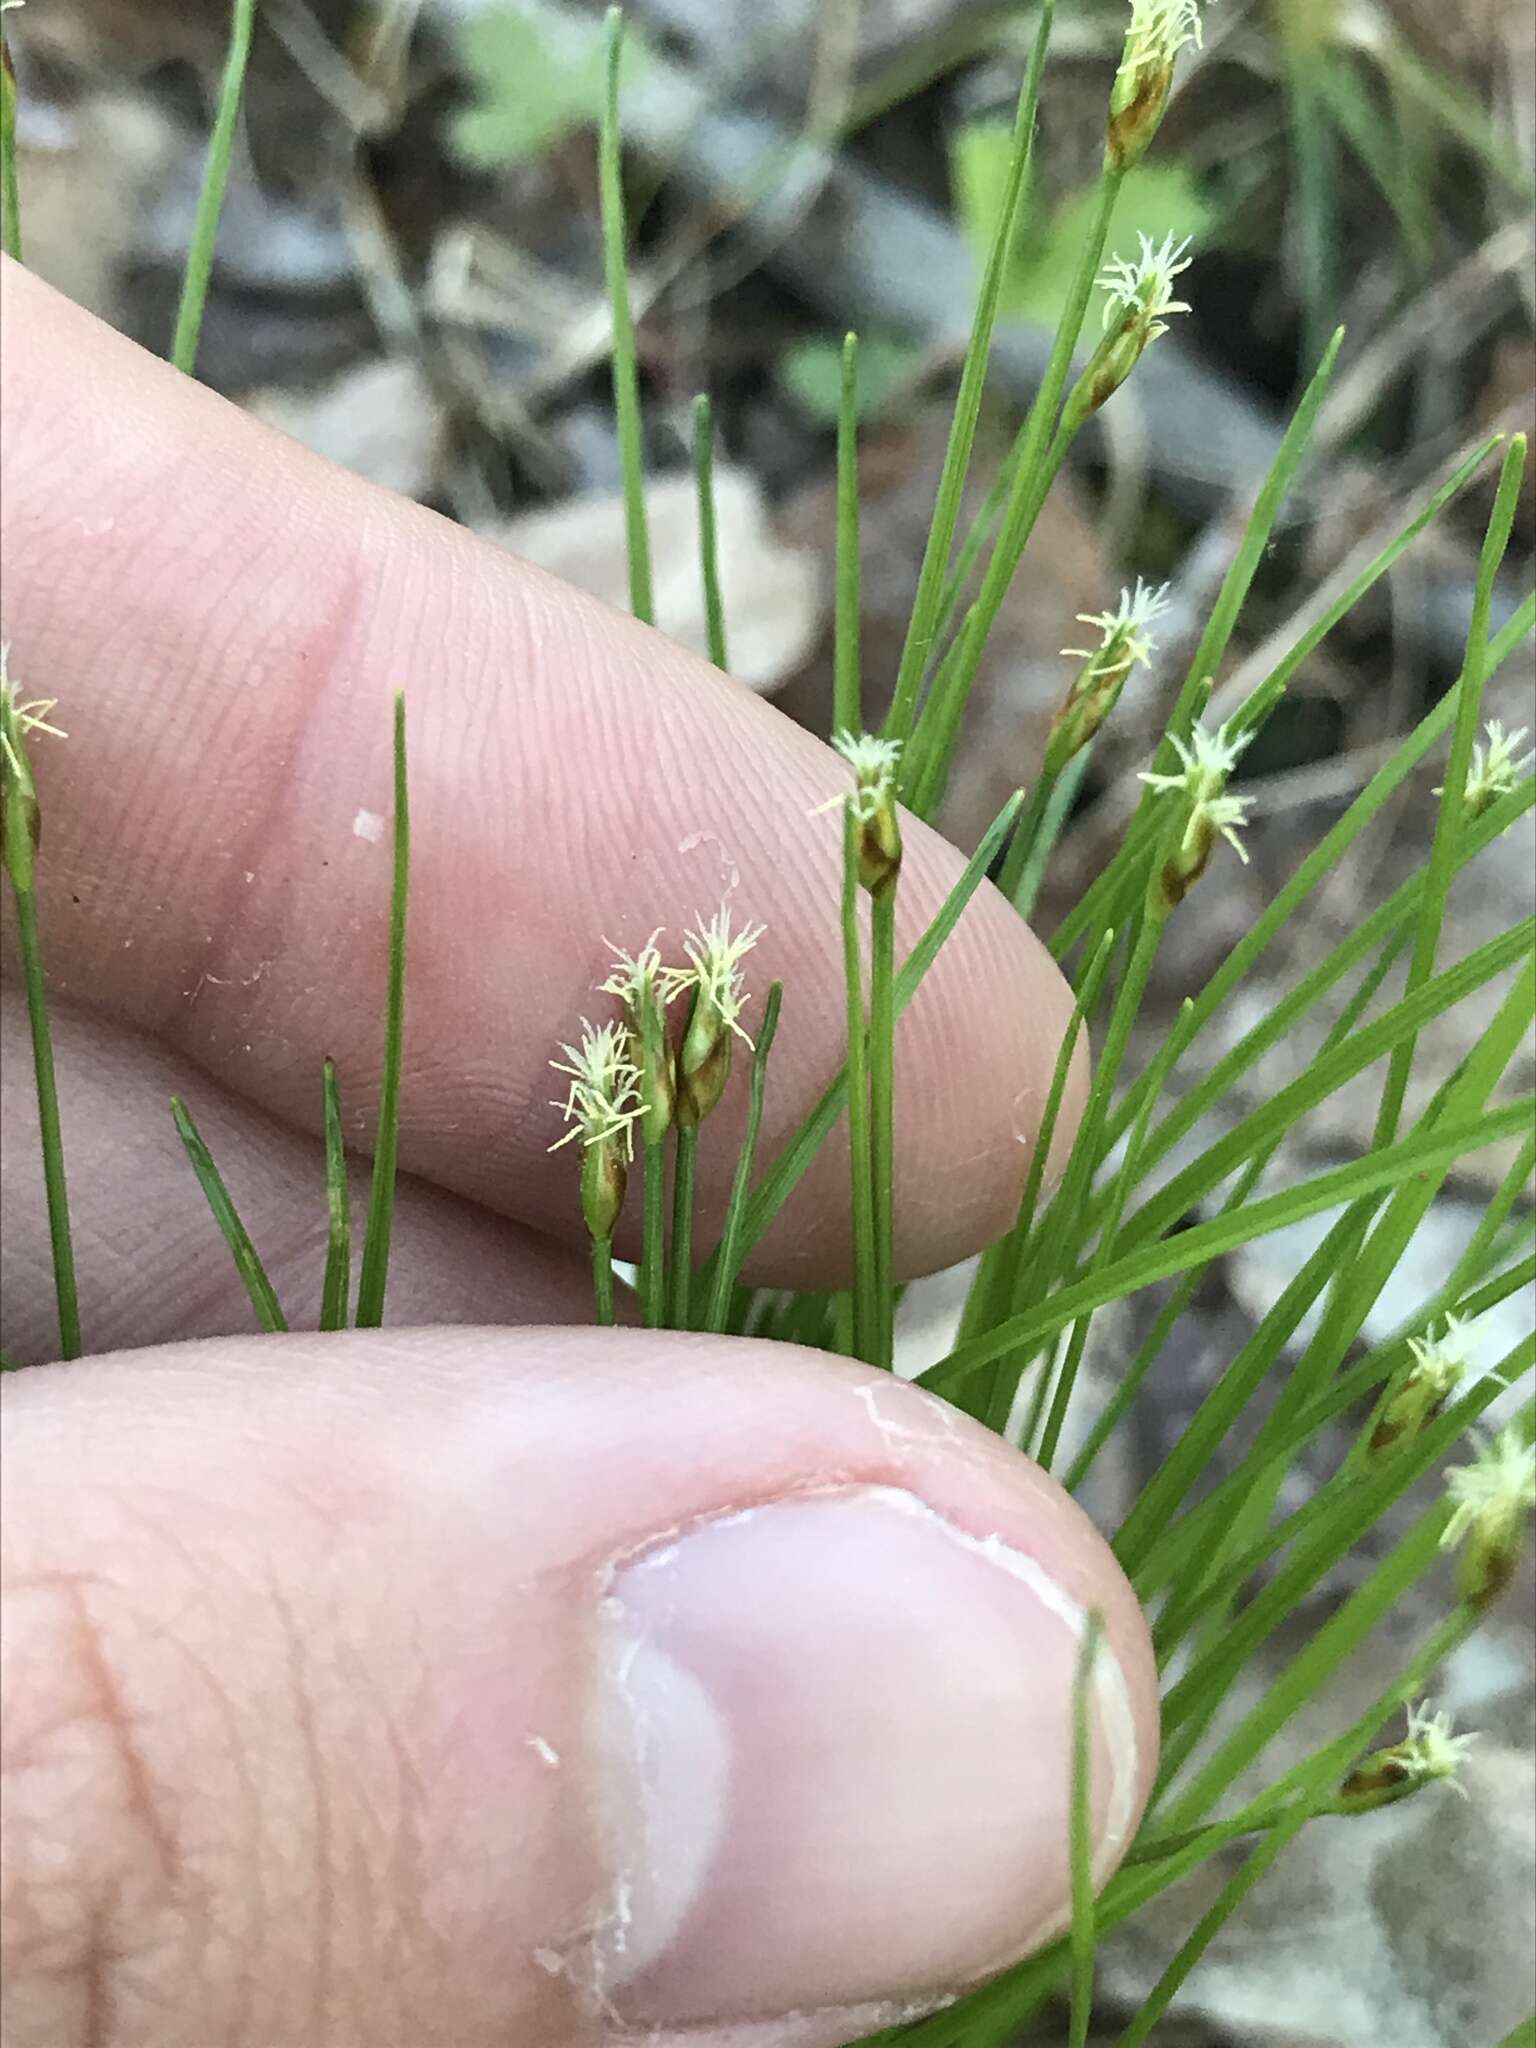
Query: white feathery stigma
x,y
1491,1495
601,1102
1496,766
873,761
1430,1749
1142,288
1158,30
717,953
1125,630
1207,760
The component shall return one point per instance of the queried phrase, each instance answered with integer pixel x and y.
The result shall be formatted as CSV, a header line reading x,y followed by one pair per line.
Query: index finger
x,y
224,619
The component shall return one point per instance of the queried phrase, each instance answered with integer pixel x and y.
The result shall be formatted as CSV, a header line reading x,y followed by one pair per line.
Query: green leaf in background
x,y
1156,200
811,371
526,96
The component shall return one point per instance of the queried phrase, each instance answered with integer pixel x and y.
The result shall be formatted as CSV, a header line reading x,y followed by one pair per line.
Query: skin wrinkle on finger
x,y
416,1496
560,758
153,1268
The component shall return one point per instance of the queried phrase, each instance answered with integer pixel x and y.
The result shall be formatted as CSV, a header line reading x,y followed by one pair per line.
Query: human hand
x,y
488,1681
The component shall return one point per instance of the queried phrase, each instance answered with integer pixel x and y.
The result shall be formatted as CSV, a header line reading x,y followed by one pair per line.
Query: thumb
x,y
518,1688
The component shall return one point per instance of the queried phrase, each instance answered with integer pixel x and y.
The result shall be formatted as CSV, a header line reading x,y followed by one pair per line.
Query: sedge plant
x,y
1166,1175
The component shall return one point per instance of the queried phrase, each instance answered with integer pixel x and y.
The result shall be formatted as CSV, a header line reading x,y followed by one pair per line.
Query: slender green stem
x,y
626,380
60,1236
1060,1226
1098,904
1063,795
997,1291
928,603
1369,1266
1326,1074
1025,833
1130,1384
727,1264
210,202
1410,1159
866,1312
1178,1553
1152,1513
1040,456
386,1150
1388,920
1311,1667
680,1262
247,1263
1084,1934
993,2015
1238,580
938,726
338,1202
983,532
10,189
1316,181
653,1246
847,714
602,1279
1061,1398
1258,1864
784,1175
20,831
1098,901
1218,1584
709,550
1449,818
882,1026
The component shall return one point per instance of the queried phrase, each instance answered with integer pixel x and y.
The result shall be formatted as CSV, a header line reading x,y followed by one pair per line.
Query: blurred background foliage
x,y
409,279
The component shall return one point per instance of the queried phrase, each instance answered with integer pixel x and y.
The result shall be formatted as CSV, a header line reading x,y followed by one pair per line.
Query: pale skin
x,y
441,1684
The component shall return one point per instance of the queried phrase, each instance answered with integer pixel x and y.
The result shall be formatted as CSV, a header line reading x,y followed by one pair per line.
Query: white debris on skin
x,y
368,825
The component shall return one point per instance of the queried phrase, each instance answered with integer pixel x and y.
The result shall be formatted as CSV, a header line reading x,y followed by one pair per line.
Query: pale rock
x,y
380,419
770,591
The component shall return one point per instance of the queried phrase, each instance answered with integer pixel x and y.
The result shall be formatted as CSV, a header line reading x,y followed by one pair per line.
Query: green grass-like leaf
x,y
727,1262
247,1262
374,1275
709,550
337,1282
1084,1933
210,202
626,378
923,626
20,825
10,187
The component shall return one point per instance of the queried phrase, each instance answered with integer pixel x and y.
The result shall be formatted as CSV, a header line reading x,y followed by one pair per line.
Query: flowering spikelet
x,y
1438,1368
1096,690
18,792
871,804
646,987
1491,1499
601,1105
1206,762
1428,1751
1142,289
1158,30
704,1063
1138,304
1494,769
